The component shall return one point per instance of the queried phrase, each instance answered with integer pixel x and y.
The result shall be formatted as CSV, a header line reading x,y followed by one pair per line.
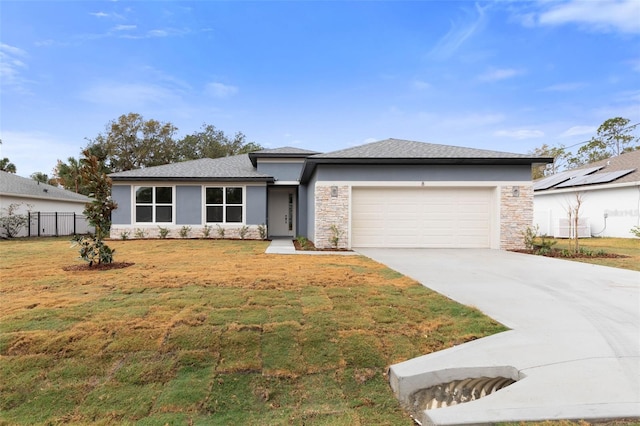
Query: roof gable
x,y
283,152
13,185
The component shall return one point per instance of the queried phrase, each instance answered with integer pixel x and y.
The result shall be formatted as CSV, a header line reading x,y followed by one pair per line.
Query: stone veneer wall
x,y
153,231
516,214
331,210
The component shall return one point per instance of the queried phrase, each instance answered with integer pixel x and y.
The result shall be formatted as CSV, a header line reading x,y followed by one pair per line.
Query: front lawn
x,y
211,332
629,247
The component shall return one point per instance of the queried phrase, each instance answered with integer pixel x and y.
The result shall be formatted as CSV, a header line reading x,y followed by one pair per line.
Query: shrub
x,y
124,235
220,231
336,234
635,231
140,233
262,230
13,222
206,231
93,249
304,242
163,232
185,231
529,237
243,231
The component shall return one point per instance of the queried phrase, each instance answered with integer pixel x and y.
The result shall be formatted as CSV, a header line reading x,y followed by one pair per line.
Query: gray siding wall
x,y
310,189
301,219
121,194
188,205
281,171
331,172
256,210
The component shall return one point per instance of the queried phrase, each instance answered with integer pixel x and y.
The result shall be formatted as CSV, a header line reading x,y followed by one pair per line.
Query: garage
x,y
426,217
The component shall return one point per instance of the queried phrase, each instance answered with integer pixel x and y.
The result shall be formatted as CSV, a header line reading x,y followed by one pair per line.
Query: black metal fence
x,y
49,224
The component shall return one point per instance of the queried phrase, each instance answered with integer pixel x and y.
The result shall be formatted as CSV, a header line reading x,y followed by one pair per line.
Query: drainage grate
x,y
456,392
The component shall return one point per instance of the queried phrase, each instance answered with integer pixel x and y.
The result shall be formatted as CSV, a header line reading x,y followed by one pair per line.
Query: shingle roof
x,y
398,151
237,167
626,161
18,186
404,149
283,152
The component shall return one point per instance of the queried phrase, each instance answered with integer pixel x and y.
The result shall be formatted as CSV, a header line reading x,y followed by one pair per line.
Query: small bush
x,y
529,237
220,231
243,231
336,234
93,249
304,242
262,230
635,231
163,232
13,222
206,231
140,233
185,231
124,235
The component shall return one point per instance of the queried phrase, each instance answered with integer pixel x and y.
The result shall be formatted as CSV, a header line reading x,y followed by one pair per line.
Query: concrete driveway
x,y
574,343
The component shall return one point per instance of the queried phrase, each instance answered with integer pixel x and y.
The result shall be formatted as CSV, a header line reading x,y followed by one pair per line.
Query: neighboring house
x,y
392,193
52,209
609,191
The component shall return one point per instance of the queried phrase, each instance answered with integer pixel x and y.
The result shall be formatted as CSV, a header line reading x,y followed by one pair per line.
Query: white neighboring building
x,y
35,197
610,194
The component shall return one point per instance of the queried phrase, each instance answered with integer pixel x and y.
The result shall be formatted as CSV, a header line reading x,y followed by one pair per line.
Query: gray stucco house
x,y
391,193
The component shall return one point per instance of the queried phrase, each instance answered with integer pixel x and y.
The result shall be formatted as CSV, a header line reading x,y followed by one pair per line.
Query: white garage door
x,y
421,217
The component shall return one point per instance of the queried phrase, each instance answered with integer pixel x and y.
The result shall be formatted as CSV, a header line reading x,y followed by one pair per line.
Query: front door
x,y
282,212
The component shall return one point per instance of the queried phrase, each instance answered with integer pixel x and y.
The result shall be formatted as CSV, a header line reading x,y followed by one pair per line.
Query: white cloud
x,y
220,90
99,14
124,27
602,15
127,95
157,33
421,85
459,33
520,134
564,87
11,67
499,74
578,131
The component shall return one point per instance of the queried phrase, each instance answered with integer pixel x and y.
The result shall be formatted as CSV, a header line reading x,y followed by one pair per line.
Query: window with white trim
x,y
224,204
154,204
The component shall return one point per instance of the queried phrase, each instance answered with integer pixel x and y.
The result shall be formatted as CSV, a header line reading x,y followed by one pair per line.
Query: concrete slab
x,y
285,245
574,338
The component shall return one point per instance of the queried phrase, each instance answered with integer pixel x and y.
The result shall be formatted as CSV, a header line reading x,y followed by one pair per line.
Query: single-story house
x,y
391,193
609,195
53,210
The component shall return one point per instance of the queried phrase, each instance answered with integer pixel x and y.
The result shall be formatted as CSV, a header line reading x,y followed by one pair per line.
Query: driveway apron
x,y
573,343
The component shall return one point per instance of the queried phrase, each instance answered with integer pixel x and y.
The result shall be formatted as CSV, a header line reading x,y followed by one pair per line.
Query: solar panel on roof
x,y
597,178
553,180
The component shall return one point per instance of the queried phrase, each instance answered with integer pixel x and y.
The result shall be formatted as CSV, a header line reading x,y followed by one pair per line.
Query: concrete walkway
x,y
574,343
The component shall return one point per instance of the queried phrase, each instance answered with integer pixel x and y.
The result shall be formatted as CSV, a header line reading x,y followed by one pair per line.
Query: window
x,y
224,204
154,204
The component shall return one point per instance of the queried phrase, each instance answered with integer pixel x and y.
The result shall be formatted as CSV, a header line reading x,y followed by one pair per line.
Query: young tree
x,y
98,212
613,138
12,222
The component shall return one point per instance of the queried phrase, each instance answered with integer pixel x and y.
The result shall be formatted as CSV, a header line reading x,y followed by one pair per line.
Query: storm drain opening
x,y
456,392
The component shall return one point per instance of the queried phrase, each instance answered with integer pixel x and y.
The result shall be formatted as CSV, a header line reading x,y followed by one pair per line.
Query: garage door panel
x,y
421,217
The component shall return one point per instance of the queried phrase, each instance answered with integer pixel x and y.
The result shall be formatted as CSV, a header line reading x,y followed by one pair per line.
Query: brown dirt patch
x,y
580,255
98,267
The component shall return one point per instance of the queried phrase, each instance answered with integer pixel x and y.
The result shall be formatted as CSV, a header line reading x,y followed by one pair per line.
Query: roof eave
x,y
253,156
191,179
311,163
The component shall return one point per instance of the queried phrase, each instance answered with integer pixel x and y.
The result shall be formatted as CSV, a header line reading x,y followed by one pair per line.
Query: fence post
x,y
29,224
38,224
55,216
74,223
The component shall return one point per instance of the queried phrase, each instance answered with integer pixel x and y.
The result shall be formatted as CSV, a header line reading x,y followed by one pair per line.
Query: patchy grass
x,y
623,246
211,332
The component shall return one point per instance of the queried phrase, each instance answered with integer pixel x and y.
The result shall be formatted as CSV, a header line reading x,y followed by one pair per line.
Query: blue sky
x,y
320,75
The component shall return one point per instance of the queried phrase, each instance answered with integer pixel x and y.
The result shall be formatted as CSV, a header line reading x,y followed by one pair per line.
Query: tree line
x,y
614,137
132,142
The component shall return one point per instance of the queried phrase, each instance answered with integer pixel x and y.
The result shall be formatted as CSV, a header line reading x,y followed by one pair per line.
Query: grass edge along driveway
x,y
211,332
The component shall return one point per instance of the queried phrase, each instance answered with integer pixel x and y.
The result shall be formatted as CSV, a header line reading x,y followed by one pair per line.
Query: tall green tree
x,y
69,176
40,177
210,142
560,157
131,142
614,137
7,166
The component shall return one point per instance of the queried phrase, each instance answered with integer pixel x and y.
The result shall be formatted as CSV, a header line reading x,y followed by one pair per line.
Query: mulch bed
x,y
98,267
311,247
565,255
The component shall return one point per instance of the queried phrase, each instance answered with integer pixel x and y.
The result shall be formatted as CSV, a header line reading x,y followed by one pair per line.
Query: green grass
x,y
211,332
629,247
